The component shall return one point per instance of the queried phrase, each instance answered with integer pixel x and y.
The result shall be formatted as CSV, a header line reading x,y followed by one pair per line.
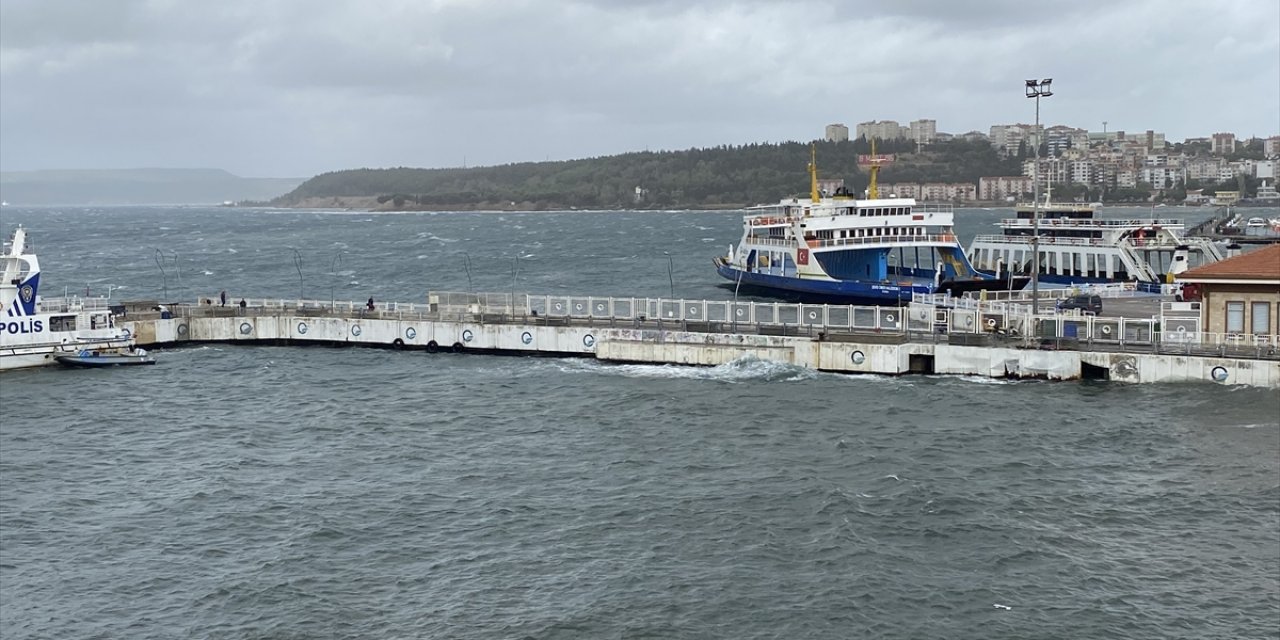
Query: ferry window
x,y
1261,324
62,323
1235,317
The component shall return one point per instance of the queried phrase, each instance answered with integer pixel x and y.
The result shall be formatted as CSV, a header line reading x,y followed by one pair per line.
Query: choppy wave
x,y
235,491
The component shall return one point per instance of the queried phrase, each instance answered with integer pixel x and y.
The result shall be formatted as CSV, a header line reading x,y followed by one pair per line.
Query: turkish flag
x,y
802,256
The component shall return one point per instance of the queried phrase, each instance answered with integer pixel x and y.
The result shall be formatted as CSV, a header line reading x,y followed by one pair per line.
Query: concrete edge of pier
x,y
674,343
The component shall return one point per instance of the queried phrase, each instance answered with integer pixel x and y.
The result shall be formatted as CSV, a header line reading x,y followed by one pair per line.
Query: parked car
x,y
1087,304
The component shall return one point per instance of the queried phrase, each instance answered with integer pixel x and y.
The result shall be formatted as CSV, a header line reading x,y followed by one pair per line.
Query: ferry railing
x,y
1165,223
72,304
1159,242
948,238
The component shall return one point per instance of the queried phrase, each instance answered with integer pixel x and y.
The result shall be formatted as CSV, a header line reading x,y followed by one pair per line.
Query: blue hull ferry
x,y
845,250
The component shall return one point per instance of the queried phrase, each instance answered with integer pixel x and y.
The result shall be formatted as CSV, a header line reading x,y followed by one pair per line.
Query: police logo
x,y
27,292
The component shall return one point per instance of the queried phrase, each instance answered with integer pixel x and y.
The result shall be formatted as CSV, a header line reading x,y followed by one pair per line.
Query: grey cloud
x,y
294,87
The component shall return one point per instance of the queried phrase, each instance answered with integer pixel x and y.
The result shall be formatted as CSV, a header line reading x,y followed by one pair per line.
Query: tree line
x,y
724,176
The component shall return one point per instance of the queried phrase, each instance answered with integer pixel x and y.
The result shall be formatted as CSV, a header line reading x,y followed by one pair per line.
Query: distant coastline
x,y
108,187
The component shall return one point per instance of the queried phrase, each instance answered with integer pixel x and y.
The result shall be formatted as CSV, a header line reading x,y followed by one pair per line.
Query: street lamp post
x,y
1036,89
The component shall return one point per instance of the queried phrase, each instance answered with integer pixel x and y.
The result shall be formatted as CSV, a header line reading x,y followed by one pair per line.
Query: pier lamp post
x,y
164,277
1036,89
333,277
670,276
297,264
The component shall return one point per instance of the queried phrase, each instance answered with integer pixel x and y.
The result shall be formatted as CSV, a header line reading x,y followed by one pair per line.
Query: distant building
x,y
991,188
1271,147
1223,143
837,133
881,129
1161,177
1202,168
901,189
923,131
1225,198
1082,172
1196,197
1059,138
1154,141
975,136
1264,169
1052,171
1010,137
932,191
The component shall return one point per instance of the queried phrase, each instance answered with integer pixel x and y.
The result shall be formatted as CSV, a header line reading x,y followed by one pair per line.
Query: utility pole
x,y
1037,89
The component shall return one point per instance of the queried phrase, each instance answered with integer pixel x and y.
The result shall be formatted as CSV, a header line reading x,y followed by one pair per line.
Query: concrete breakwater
x,y
993,341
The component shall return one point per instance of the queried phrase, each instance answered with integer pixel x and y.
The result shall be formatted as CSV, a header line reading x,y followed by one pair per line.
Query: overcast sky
x,y
293,88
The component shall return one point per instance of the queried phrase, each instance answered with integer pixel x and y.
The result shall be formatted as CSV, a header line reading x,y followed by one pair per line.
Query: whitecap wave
x,y
744,369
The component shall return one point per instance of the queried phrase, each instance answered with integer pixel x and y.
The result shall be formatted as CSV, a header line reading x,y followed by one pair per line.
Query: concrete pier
x,y
989,340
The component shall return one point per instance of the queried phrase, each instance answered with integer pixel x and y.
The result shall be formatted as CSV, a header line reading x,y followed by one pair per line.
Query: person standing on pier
x,y
223,297
369,304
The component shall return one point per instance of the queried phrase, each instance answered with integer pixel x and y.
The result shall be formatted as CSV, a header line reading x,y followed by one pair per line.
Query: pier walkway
x,y
971,337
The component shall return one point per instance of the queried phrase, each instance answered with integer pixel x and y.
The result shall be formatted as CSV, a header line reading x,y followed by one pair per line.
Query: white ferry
x,y
845,250
34,331
1078,248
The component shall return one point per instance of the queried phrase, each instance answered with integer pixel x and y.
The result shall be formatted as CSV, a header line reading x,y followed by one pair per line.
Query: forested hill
x,y
698,178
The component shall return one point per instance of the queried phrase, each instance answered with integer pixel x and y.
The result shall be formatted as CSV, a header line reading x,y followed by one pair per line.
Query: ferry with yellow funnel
x,y
842,249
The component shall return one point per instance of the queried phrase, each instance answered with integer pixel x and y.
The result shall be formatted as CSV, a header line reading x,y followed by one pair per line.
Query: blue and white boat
x,y
840,249
34,331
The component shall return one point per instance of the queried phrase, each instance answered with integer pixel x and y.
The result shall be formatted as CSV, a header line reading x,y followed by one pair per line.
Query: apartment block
x,y
952,191
1271,147
1082,171
901,189
1265,169
1008,137
1223,143
1052,171
882,129
1202,168
923,131
1059,138
836,133
1004,187
932,191
1161,177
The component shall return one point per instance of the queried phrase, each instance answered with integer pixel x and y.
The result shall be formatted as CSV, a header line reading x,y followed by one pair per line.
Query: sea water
x,y
317,492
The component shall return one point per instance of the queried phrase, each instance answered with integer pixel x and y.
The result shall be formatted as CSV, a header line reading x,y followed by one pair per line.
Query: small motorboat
x,y
88,359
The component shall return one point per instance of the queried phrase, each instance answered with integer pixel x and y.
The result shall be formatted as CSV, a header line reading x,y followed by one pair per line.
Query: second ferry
x,y
1077,247
845,250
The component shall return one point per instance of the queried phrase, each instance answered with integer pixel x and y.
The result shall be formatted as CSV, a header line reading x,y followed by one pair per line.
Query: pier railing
x,y
960,321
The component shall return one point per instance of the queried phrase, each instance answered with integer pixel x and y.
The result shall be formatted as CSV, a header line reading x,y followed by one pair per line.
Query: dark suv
x,y
1087,304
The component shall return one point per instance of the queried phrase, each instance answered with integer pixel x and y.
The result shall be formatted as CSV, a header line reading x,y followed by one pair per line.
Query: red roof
x,y
1259,264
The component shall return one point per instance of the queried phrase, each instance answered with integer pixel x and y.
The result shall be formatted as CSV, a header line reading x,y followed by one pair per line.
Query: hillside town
x,y
1082,165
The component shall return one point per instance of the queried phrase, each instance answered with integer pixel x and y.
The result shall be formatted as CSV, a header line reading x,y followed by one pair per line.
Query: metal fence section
x,y
1176,329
